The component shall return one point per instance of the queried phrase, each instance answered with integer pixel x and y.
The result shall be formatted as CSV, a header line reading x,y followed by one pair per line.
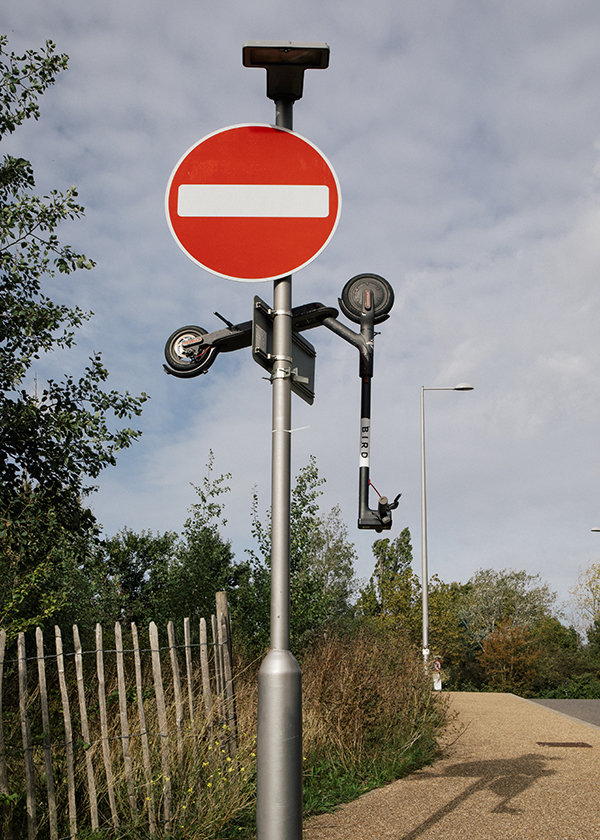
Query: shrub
x,y
369,715
580,687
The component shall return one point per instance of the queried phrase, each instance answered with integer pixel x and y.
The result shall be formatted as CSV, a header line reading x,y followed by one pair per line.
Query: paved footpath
x,y
503,776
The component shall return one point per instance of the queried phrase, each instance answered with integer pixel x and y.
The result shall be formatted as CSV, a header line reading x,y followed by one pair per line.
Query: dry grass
x,y
365,690
369,716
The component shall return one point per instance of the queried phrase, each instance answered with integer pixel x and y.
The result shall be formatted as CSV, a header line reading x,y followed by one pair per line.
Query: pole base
x,y
279,748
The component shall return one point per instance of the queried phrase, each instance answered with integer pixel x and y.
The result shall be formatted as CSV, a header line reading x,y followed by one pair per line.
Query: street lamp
x,y
463,386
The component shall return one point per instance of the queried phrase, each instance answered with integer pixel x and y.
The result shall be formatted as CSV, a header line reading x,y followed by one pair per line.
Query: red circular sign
x,y
253,202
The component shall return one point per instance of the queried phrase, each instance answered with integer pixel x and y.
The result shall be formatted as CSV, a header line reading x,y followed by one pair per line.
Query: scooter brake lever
x,y
394,504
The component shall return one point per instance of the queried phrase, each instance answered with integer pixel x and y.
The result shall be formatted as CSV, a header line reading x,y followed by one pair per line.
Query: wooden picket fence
x,y
96,737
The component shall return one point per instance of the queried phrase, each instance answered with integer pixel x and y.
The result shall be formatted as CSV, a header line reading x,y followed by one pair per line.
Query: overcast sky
x,y
465,137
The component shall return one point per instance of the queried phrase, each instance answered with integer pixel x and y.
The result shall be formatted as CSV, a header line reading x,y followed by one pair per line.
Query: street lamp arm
x,y
462,386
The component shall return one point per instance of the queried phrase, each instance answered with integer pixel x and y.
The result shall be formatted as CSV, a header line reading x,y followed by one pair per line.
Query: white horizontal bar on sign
x,y
308,201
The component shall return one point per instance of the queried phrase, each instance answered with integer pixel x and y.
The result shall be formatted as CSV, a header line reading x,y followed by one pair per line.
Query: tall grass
x,y
369,716
209,787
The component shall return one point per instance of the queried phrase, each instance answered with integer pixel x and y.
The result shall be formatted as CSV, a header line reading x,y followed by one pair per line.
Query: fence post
x,y
165,753
123,718
224,626
110,783
41,664
176,692
60,663
3,770
206,692
187,640
26,736
85,730
139,690
218,661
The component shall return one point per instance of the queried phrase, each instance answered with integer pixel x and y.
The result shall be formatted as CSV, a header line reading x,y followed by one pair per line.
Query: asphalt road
x,y
585,710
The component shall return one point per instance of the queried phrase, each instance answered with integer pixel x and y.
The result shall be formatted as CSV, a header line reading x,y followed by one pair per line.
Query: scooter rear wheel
x,y
188,360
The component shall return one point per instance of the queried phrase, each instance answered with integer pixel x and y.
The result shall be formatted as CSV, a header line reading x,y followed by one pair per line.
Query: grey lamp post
x,y
279,741
463,386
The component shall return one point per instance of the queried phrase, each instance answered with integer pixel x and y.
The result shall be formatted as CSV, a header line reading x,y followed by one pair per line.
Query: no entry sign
x,y
253,202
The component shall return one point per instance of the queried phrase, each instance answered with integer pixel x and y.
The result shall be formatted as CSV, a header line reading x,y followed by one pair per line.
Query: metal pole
x,y
424,573
424,577
279,742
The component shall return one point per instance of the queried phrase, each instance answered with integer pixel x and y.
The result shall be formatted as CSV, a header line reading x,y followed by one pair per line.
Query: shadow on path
x,y
506,777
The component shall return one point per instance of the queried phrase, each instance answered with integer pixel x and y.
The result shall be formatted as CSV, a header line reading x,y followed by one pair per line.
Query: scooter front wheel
x,y
351,301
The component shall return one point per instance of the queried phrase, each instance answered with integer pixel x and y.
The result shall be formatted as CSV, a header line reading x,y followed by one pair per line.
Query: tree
x,y
203,562
367,603
562,657
57,439
593,639
163,577
509,657
334,560
136,576
40,563
321,565
447,638
586,594
493,598
393,592
393,570
54,441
